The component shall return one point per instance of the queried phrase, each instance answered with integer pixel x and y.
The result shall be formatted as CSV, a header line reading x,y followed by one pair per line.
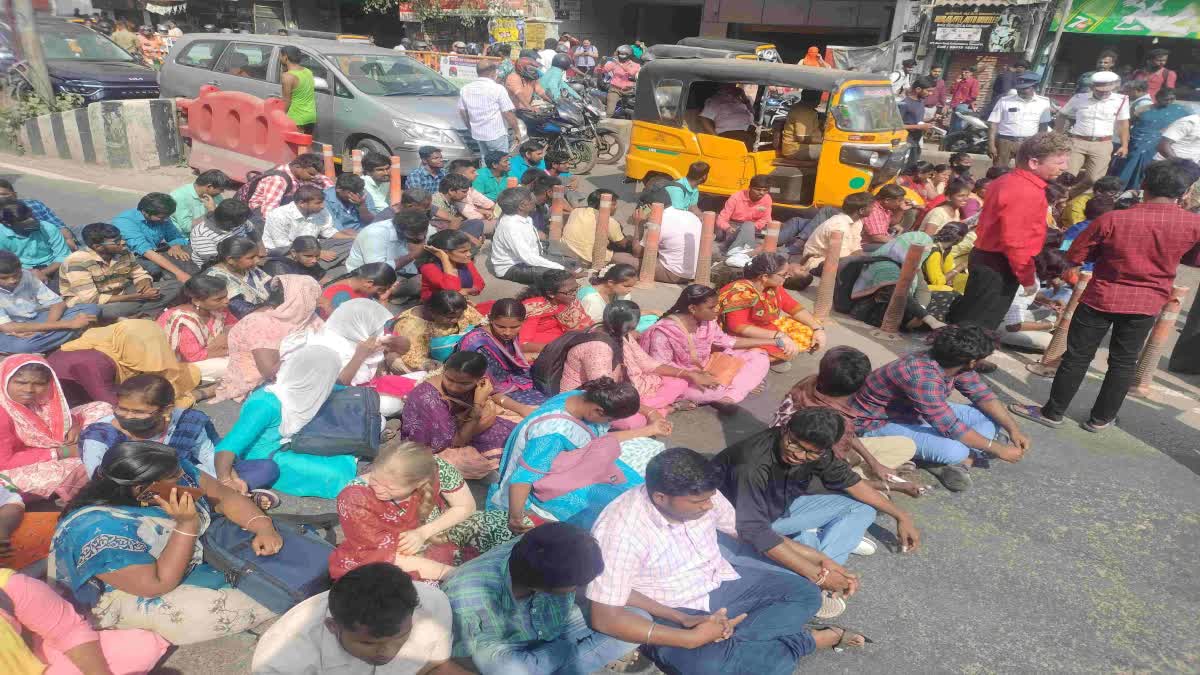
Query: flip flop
x,y
269,496
841,645
1033,413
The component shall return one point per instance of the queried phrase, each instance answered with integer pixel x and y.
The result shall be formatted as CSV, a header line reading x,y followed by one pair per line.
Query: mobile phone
x,y
163,489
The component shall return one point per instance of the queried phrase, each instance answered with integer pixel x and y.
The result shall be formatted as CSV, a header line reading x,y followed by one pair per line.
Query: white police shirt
x,y
1096,117
1015,116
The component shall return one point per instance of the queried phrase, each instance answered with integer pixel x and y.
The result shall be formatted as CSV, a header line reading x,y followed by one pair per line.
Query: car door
x,y
190,66
247,67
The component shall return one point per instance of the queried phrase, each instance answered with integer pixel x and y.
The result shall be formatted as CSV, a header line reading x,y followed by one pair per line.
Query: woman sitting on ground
x,y
447,264
499,342
39,433
920,179
198,330
269,419
688,337
373,281
434,329
139,346
254,341
876,282
415,511
758,306
946,207
131,553
1030,321
574,425
615,282
302,257
457,414
245,282
551,309
945,275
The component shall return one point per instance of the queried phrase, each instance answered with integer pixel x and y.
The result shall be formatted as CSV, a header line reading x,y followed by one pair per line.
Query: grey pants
x,y
739,234
168,289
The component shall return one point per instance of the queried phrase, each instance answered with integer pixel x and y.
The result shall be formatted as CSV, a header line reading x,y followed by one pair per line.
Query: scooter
x,y
572,128
972,137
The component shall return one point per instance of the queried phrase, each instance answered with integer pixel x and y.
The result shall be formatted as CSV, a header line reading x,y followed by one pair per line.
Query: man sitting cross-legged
x,y
103,272
662,558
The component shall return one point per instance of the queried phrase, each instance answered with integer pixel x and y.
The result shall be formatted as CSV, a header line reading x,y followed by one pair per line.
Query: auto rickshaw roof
x,y
744,46
753,72
668,51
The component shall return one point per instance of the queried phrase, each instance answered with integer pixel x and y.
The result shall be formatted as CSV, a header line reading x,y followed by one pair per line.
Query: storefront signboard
x,y
1162,18
980,29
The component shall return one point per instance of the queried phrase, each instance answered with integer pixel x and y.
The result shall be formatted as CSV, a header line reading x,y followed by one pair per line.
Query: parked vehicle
x,y
368,98
81,61
972,137
571,127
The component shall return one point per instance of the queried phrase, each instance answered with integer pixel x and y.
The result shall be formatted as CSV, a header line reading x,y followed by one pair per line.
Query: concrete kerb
x,y
136,134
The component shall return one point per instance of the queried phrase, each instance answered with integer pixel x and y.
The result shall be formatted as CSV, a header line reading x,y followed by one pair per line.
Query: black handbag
x,y
348,423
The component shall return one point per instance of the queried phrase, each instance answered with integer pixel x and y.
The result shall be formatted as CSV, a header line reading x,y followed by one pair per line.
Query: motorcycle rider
x,y
623,74
523,85
1016,117
554,81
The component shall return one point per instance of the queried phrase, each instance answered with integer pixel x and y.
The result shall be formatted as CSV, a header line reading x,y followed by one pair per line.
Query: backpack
x,y
847,275
253,178
547,370
348,423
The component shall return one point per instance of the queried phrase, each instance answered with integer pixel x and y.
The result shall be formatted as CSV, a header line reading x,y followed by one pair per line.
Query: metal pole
x,y
31,49
1062,24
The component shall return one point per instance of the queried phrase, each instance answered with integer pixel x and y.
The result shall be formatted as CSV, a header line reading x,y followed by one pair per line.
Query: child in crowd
x,y
33,318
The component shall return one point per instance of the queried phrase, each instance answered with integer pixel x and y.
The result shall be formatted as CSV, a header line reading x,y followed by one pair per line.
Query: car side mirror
x,y
321,84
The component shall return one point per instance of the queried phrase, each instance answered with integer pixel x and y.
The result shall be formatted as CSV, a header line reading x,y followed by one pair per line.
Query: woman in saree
x,y
129,549
563,463
254,342
245,282
499,341
434,329
551,309
688,337
139,346
415,511
758,306
39,432
198,330
1144,136
615,282
877,281
946,278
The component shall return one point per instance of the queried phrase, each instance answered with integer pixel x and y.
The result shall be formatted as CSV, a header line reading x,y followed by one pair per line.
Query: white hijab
x,y
351,323
304,382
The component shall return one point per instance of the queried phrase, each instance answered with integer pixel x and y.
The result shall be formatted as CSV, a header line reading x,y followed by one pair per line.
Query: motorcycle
x,y
972,137
571,127
597,87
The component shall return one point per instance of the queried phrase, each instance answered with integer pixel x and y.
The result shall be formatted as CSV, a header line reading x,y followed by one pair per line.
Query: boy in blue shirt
x,y
33,318
152,236
38,243
531,155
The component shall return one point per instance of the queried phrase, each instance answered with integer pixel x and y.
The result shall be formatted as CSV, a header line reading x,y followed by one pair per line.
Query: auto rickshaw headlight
x,y
864,157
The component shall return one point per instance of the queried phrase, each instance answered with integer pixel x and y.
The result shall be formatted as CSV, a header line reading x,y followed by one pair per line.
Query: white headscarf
x,y
352,322
304,382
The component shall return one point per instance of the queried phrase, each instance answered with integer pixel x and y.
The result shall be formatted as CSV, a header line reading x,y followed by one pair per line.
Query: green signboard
x,y
1163,18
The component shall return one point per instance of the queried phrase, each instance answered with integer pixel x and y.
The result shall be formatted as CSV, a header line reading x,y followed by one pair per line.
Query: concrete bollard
x,y
394,182
356,162
894,314
327,155
829,270
1152,352
704,257
600,245
511,183
1048,364
650,248
558,203
771,237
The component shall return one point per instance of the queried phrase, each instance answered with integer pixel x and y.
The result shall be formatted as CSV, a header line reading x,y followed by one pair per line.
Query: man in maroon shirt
x,y
963,95
1012,228
1136,252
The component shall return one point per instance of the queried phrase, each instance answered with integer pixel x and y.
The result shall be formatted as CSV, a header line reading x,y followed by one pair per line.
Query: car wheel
x,y
609,148
369,144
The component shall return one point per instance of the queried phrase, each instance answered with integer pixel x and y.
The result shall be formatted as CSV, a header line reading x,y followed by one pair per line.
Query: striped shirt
x,y
205,239
89,279
485,102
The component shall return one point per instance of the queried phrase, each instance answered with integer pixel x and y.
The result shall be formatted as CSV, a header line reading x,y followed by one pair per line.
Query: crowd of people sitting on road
x,y
368,372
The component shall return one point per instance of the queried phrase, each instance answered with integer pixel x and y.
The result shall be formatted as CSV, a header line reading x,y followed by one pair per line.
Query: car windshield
x,y
83,45
385,75
868,108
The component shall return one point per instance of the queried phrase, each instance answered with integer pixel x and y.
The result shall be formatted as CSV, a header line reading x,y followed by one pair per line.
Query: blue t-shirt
x,y
912,111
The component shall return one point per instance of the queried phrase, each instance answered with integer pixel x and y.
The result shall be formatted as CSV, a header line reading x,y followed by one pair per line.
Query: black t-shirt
x,y
912,111
281,264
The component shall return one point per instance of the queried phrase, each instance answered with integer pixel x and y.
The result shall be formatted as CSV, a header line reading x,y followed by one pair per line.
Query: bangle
x,y
247,525
186,534
649,632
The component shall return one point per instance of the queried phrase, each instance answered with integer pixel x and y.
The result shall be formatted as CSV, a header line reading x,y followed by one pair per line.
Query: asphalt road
x,y
1080,559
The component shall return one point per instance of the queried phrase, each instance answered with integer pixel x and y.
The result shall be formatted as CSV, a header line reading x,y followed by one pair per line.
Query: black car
x,y
82,61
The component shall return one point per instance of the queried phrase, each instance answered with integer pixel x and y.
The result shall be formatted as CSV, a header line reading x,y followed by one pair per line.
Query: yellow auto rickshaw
x,y
862,145
763,51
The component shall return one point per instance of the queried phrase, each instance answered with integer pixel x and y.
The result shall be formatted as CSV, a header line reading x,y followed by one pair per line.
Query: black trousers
x,y
991,288
1088,328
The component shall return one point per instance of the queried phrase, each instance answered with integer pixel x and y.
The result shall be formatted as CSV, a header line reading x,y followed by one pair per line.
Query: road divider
x,y
135,134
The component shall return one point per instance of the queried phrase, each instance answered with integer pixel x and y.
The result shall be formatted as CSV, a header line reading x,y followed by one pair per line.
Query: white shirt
x,y
400,48
1015,116
546,58
679,242
300,644
485,101
1184,134
1096,117
378,242
516,241
285,223
727,113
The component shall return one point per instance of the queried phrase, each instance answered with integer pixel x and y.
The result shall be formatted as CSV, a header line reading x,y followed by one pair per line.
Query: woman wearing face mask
x,y
446,264
499,341
198,329
245,281
435,328
615,282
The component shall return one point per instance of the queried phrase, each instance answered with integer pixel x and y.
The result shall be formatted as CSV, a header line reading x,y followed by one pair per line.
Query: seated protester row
x,y
579,234
689,338
245,282
373,281
746,213
279,185
447,264
429,175
499,341
516,252
41,212
229,219
374,619
476,206
491,180
457,414
306,216
887,216
39,433
136,346
396,242
132,556
1031,319
103,272
614,282
910,397
349,206
38,243
530,155
33,318
151,235
515,610
842,372
254,341
449,203
196,201
415,511
377,176
662,558
855,207
302,257
198,329
685,192
270,417
946,207
877,282
760,307
574,427
552,308
678,237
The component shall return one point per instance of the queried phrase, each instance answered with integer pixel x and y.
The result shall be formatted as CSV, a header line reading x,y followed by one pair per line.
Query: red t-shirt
x,y
1013,221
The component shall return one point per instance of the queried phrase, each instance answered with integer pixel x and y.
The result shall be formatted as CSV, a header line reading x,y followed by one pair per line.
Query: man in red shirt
x,y
963,95
1136,252
1156,74
1012,228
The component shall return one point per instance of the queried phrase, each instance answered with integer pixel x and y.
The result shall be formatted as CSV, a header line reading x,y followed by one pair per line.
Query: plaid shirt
x,y
272,189
87,278
421,178
43,212
912,389
1136,252
490,622
879,221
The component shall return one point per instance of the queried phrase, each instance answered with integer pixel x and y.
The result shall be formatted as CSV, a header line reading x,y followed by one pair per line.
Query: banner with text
x,y
984,29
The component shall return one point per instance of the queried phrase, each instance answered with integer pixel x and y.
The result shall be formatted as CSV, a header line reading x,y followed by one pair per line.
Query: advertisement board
x,y
980,30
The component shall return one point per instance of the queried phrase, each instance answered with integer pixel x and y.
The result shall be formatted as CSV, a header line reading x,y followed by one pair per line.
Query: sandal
x,y
683,405
265,499
846,638
1033,413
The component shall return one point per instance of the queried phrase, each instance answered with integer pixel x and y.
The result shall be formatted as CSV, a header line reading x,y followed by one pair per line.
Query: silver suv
x,y
368,97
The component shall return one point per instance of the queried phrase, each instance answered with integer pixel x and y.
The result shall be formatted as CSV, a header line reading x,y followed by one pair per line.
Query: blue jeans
x,y
935,448
771,639
956,121
48,341
579,651
499,145
831,523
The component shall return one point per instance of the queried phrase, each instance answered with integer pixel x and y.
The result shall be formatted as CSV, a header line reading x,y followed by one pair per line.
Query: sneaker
x,y
831,606
1097,427
953,476
1033,413
865,547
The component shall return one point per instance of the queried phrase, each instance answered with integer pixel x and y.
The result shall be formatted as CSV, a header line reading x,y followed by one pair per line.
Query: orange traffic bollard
x,y
356,162
327,154
558,204
1048,364
650,248
894,314
829,270
1152,352
394,182
600,245
704,257
771,237
512,182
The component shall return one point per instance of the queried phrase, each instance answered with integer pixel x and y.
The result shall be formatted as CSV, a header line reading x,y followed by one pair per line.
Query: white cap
x,y
1103,77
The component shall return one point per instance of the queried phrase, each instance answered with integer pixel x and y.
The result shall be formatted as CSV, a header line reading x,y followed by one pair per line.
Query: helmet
x,y
459,45
624,49
561,61
527,68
